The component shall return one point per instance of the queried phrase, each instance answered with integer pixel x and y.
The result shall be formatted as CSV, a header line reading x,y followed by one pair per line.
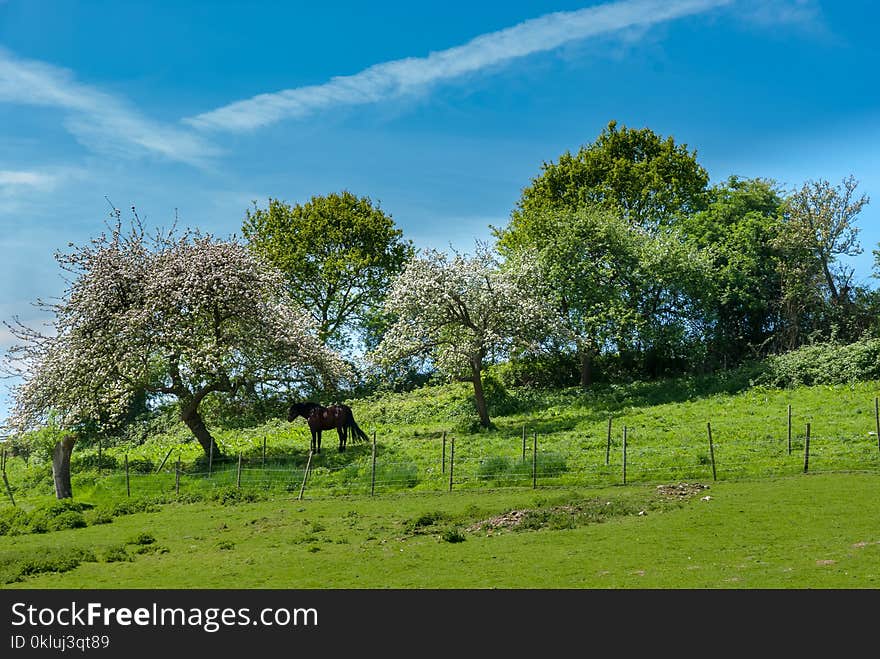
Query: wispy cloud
x,y
99,120
398,77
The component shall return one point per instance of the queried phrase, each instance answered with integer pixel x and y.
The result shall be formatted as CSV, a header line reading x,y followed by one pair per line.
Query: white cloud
x,y
98,120
398,77
11,178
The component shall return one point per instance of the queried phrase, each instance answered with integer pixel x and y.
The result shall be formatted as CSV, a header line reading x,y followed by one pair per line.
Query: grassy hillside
x,y
666,429
504,517
807,531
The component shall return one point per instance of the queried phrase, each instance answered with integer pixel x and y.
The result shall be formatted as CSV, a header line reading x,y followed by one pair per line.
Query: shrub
x,y
13,521
824,363
452,534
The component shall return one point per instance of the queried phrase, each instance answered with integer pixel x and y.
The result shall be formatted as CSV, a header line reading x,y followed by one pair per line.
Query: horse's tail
x,y
357,435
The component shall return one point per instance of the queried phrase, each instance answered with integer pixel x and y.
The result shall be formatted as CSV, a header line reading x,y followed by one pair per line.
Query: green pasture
x,y
806,531
409,517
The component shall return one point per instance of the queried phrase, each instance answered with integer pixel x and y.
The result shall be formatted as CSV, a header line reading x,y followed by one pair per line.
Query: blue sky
x,y
440,112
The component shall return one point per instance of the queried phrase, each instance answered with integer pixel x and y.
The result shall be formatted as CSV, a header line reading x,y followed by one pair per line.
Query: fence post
x,y
789,429
624,455
524,443
711,449
535,462
807,449
99,456
451,460
167,455
127,481
238,473
210,458
877,419
5,479
177,476
608,444
373,468
305,476
264,453
443,455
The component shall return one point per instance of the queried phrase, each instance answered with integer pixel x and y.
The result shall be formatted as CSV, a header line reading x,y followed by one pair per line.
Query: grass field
x,y
808,531
766,523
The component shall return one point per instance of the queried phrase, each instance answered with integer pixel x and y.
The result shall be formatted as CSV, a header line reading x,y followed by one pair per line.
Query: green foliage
x,y
647,178
142,538
824,363
18,565
229,495
338,253
452,534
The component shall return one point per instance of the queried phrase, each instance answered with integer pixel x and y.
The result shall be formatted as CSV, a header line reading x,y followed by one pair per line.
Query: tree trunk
x,y
479,396
586,367
197,427
61,467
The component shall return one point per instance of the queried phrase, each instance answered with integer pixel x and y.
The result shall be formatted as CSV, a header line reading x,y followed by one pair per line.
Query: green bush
x,y
824,363
57,516
13,521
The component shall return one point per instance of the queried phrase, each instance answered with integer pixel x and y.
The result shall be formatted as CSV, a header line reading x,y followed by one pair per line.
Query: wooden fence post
x,y
264,452
535,462
305,476
789,429
177,476
5,479
711,449
624,455
807,449
608,444
99,456
373,468
238,473
524,443
167,455
210,458
443,454
127,481
451,460
877,419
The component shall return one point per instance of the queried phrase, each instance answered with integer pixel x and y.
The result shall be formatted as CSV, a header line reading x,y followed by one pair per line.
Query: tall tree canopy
x,y
647,179
461,311
178,316
738,232
338,253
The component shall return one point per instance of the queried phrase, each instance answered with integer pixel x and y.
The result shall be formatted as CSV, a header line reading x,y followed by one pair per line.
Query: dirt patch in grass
x,y
681,490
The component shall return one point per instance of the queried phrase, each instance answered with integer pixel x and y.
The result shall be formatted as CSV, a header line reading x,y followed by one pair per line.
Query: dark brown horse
x,y
322,418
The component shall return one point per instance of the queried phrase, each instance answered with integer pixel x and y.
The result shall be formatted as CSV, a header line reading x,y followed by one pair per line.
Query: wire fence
x,y
627,457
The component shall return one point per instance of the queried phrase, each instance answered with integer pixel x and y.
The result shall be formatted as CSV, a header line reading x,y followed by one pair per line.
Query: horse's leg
x,y
319,440
341,431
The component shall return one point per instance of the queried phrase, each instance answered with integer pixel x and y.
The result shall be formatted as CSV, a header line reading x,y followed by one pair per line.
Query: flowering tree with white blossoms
x,y
460,311
180,316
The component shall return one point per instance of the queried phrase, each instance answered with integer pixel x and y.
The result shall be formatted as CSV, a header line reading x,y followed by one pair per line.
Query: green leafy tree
x,y
738,231
644,177
818,233
338,253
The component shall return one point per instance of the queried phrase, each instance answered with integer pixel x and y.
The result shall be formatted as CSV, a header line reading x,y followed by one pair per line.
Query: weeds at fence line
x,y
581,463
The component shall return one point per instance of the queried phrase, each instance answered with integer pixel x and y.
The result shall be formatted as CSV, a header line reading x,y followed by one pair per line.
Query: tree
x,y
616,286
461,311
587,257
738,231
645,178
823,218
819,230
178,316
338,253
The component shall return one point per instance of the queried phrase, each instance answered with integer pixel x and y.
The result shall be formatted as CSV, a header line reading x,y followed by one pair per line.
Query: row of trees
x,y
620,259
